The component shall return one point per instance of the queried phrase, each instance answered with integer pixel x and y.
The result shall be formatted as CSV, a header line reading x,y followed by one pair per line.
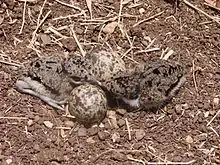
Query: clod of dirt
x,y
92,131
103,135
69,123
121,122
139,134
119,157
82,132
45,39
69,44
180,107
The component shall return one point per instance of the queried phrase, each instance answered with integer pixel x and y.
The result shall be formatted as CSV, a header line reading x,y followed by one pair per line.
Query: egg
x,y
105,63
88,104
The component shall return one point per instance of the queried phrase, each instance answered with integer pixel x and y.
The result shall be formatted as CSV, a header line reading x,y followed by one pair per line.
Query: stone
x,y
82,132
139,134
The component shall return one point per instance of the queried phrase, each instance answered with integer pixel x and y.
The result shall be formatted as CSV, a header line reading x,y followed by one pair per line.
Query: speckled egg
x,y
105,63
88,104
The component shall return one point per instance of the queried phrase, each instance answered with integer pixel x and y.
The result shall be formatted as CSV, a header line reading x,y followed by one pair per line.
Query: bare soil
x,y
185,131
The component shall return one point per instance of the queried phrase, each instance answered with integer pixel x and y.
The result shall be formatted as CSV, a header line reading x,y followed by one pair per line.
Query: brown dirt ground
x,y
178,133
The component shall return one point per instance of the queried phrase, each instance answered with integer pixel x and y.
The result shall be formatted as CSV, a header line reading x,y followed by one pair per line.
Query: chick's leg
x,y
32,87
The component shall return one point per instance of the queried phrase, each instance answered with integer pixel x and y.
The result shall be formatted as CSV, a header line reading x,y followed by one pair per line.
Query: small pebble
x,y
140,134
45,39
178,108
48,124
90,140
121,122
110,28
30,122
36,147
216,101
116,137
92,131
189,139
69,123
9,161
206,105
82,132
121,111
103,135
119,157
36,118
141,11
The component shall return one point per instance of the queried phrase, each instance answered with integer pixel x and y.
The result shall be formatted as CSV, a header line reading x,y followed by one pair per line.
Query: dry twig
x,y
23,17
35,32
147,19
77,41
216,8
128,129
13,118
194,77
199,10
217,113
74,7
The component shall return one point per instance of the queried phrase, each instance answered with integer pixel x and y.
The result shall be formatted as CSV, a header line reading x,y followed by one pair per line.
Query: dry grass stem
x,y
10,63
199,10
136,160
32,1
23,17
217,113
13,118
147,19
214,131
77,41
194,77
89,5
128,129
151,43
41,12
120,10
163,52
56,32
168,54
216,8
38,26
68,16
64,128
65,4
146,51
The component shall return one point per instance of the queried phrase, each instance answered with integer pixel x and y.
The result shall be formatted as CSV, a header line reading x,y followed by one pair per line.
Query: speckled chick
x,y
149,85
46,80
